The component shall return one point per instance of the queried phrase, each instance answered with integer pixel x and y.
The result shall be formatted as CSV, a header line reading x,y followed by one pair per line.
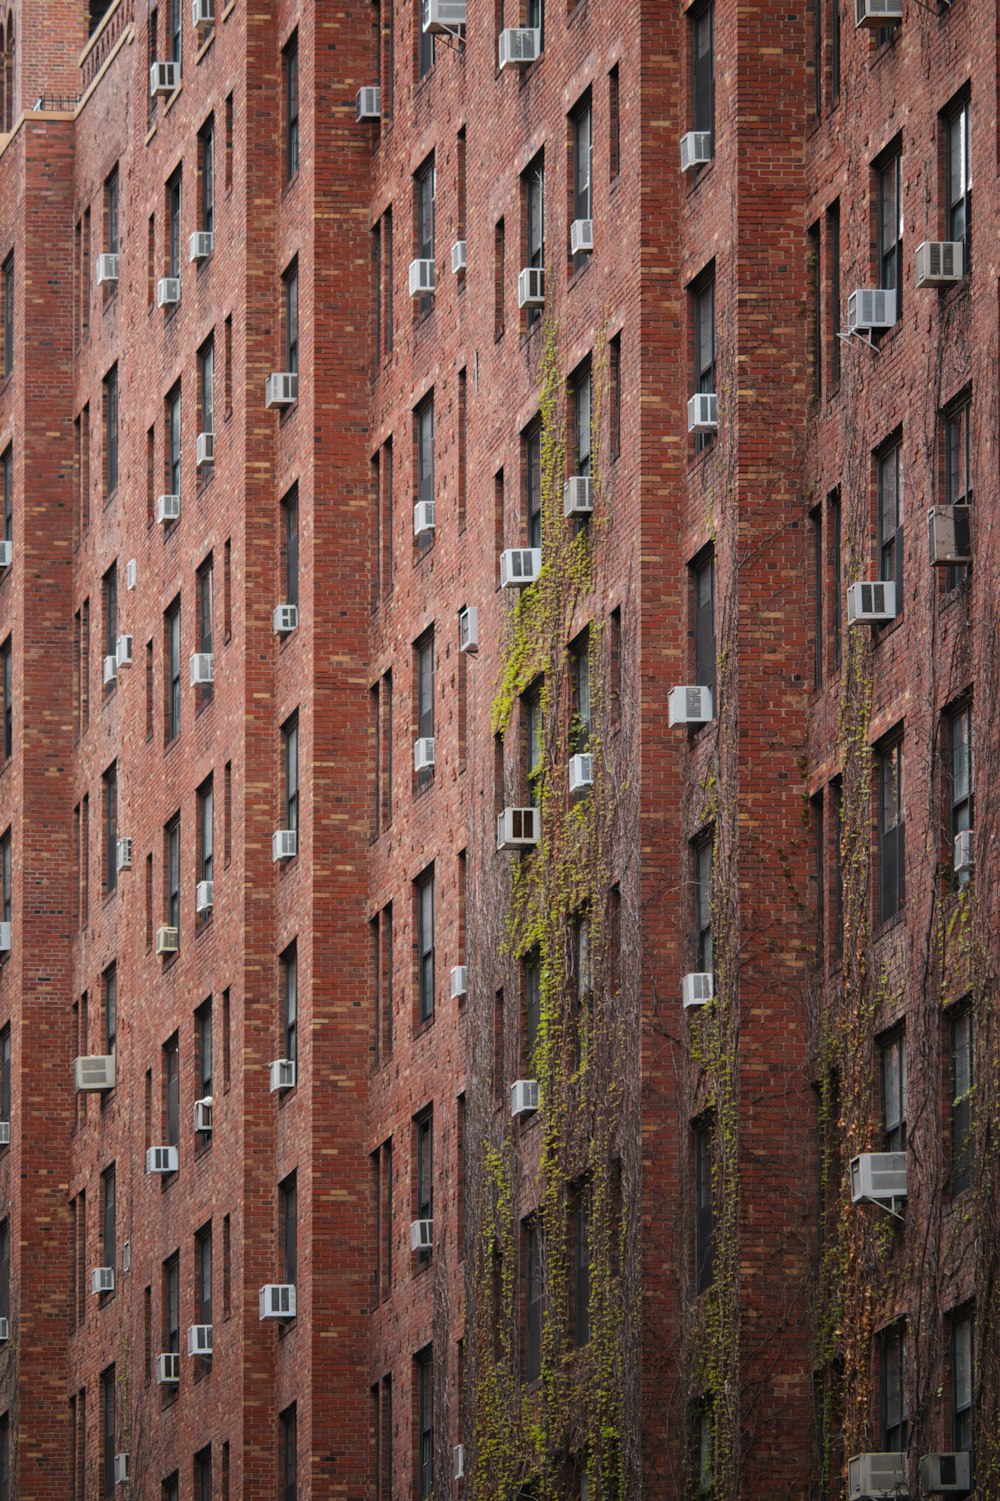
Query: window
x,y
288,1217
109,592
532,449
531,979
8,315
833,267
958,471
703,69
534,1297
581,389
170,1488
171,1304
7,477
425,945
704,1198
111,432
890,225
424,1363
424,662
203,1275
206,831
891,830
173,873
580,704
961,1098
172,643
890,516
171,1089
382,936
290,80
961,777
5,1268
423,1185
5,877
175,31
704,332
288,1454
5,1073
204,581
534,223
615,396
203,1474
206,389
959,176
531,709
206,156
836,579
499,277
203,1049
703,902
108,1431
815,311
614,125
290,758
582,131
172,446
290,546
704,623
425,41
8,697
962,1356
579,1228
110,986
290,1003
290,284
423,419
110,792
834,50
381,1183
894,1413
819,603
174,251
108,1253
425,187
892,1061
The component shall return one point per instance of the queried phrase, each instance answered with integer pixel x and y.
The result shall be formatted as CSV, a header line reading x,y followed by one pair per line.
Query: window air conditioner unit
x,y
690,705
964,859
284,844
202,668
421,1235
201,245
696,149
4,1331
459,982
697,989
276,1300
703,412
423,753
459,1461
945,1474
517,828
468,630
524,1097
164,78
202,13
871,600
458,257
200,1340
282,1075
444,15
877,1475
519,46
107,270
4,1133
123,855
110,669
871,307
421,278
166,939
204,893
285,619
203,1114
939,263
581,236
581,772
131,571
162,1160
949,535
281,389
4,937
204,449
519,566
423,518
577,496
878,1177
123,651
102,1279
168,1369
878,12
94,1073
6,552
168,291
531,287
369,104
121,1469
168,508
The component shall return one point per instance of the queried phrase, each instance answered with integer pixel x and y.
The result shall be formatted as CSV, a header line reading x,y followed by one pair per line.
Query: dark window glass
x,y
533,483
206,144
892,1059
580,1244
203,1469
290,72
174,225
532,977
961,1101
704,624
173,873
108,1253
109,589
534,190
7,464
289,1457
615,126
8,315
289,1218
833,259
290,756
958,472
819,602
206,831
110,1009
582,400
5,1269
425,945
425,1424
290,529
891,830
890,227
111,203
961,777
172,1305
704,335
424,651
5,1073
959,175
111,431
424,1142
424,422
108,1431
172,1089
582,169
206,386
291,288
203,1048
532,705
173,444
425,42
703,903
836,578
581,713
703,81
534,16
962,1358
894,1411
890,518
110,780
175,31
290,1003
704,1196
534,1298
834,50
172,633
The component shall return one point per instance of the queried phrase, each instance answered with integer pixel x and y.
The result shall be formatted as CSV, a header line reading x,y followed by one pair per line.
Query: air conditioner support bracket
x,y
451,38
886,1209
847,337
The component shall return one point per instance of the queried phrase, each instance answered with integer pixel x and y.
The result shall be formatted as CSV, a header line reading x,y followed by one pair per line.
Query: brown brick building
x,y
438,1056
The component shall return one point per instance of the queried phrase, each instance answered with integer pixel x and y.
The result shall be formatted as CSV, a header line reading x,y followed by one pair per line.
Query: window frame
x,y
891,835
889,223
892,1373
890,493
961,1071
290,96
425,924
893,1084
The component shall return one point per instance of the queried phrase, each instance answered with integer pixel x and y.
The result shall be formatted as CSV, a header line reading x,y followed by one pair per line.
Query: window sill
x,y
206,47
883,929
577,273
